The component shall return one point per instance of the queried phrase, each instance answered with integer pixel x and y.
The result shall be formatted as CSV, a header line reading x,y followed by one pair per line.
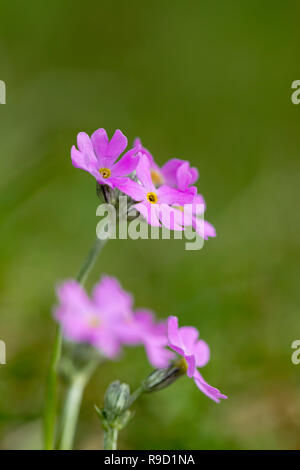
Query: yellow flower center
x,y
156,178
94,321
152,197
105,172
182,365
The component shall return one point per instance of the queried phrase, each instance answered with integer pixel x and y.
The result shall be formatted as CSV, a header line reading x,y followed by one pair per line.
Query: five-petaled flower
x,y
98,156
93,320
107,320
195,353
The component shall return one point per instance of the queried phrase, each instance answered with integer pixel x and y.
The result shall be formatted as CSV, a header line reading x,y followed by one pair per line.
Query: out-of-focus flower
x,y
98,156
176,173
107,320
155,204
93,320
195,353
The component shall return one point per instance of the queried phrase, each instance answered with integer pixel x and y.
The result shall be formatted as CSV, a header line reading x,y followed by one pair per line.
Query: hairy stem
x,y
51,392
110,438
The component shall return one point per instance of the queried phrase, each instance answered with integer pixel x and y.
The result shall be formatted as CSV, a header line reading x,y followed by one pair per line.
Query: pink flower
x,y
175,173
98,156
155,203
184,341
93,320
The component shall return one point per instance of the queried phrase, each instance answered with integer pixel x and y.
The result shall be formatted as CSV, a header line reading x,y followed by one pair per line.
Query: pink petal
x,y
108,344
183,176
84,157
100,142
207,389
169,170
173,196
189,336
202,353
158,355
199,205
143,173
84,143
149,213
79,159
204,228
137,143
191,362
132,189
126,164
110,298
173,333
117,145
194,175
72,293
170,217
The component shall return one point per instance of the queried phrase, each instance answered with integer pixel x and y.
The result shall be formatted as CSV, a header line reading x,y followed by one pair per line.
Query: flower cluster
x,y
108,321
163,196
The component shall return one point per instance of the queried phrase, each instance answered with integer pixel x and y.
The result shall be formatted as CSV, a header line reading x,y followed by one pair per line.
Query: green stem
x,y
51,395
134,396
51,392
70,411
110,438
72,405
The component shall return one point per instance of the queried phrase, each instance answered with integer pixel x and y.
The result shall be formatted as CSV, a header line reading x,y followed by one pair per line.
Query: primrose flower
x,y
93,320
97,155
154,204
195,353
175,172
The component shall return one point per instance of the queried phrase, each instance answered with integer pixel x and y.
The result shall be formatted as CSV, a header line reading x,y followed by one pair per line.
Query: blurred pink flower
x,y
97,155
184,341
93,320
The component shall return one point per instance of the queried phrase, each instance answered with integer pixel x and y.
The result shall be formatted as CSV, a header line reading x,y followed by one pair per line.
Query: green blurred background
x,y
207,81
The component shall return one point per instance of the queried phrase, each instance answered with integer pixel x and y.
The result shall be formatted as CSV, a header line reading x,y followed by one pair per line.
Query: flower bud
x,y
106,193
116,398
162,378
